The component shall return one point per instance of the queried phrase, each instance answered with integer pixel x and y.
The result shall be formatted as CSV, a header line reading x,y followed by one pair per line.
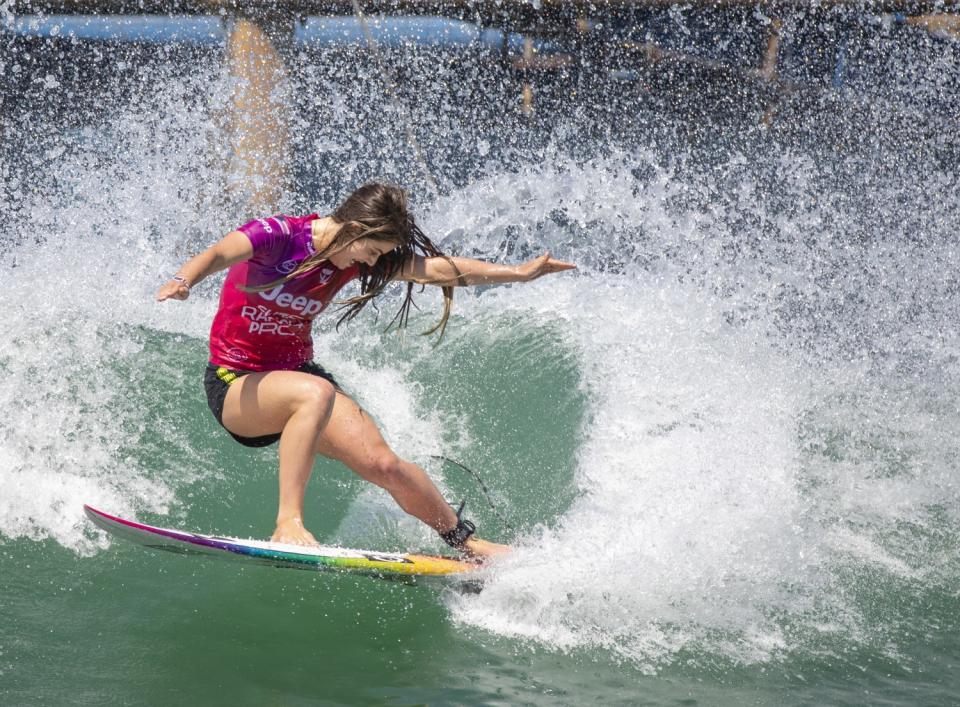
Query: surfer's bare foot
x,y
480,550
291,531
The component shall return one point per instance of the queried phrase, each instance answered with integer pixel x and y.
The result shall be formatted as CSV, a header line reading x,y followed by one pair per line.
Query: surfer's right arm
x,y
232,248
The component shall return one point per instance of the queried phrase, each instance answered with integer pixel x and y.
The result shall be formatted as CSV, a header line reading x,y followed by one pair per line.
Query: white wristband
x,y
182,280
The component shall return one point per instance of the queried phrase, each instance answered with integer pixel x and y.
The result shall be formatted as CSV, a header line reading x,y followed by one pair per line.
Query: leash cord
x,y
483,487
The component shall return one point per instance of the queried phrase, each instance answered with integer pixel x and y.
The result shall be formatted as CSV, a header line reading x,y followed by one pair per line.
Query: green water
x,y
132,626
126,625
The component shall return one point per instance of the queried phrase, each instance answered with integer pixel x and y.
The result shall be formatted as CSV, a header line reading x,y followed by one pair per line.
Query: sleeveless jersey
x,y
270,330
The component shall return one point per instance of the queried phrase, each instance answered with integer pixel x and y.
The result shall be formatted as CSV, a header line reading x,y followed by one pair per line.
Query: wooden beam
x,y
258,125
947,25
769,69
527,86
654,53
771,55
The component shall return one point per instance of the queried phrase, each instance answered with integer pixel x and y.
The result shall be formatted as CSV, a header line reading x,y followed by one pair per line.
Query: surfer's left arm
x,y
446,271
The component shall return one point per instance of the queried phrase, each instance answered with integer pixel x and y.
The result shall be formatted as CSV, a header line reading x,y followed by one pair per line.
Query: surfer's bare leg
x,y
351,437
298,405
312,419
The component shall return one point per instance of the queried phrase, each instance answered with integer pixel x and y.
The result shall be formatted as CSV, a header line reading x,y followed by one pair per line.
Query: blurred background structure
x,y
735,55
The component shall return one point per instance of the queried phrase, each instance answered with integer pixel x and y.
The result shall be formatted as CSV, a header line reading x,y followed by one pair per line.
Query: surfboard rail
x,y
314,557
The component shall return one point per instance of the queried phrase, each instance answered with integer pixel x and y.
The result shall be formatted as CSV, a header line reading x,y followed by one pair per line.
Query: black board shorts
x,y
217,380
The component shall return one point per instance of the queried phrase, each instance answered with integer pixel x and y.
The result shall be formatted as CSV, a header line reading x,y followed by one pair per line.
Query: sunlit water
x,y
727,443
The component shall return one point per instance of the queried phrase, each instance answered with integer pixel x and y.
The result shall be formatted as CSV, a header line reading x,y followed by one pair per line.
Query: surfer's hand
x,y
480,550
173,289
291,531
543,265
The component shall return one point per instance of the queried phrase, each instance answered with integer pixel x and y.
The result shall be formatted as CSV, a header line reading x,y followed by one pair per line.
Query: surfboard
x,y
315,557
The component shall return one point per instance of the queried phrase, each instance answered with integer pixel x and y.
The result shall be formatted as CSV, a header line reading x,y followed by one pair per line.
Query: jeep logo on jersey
x,y
287,266
305,306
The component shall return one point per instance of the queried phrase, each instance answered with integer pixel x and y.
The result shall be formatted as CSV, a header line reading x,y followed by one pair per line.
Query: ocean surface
x,y
726,446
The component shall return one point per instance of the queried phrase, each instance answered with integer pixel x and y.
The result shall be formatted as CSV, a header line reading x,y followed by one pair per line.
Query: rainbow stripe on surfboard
x,y
317,557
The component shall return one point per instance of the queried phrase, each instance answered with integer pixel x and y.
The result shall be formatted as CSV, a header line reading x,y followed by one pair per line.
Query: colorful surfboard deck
x,y
318,557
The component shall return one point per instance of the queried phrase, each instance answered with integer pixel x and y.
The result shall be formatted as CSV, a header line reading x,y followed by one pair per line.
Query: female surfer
x,y
261,382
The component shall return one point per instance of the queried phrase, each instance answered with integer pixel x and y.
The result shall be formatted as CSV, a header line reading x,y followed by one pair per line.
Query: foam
x,y
770,399
78,288
708,520
688,517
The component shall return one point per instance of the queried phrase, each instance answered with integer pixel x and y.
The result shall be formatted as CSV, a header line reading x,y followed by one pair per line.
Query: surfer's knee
x,y
316,396
386,470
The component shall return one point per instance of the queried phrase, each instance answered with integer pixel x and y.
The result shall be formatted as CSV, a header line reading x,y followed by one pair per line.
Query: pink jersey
x,y
270,330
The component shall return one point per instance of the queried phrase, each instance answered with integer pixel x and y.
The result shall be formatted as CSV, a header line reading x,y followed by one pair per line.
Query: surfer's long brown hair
x,y
377,211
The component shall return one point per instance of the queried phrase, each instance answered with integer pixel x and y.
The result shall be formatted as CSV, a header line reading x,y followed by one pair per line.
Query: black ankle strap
x,y
457,537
